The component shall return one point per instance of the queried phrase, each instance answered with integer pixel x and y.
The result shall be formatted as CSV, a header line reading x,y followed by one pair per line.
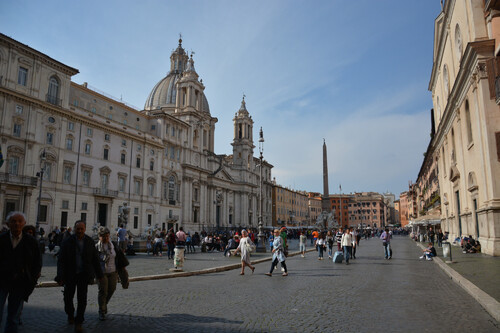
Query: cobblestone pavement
x,y
371,294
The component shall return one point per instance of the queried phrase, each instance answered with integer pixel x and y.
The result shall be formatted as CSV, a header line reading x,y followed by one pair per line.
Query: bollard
x,y
178,258
447,252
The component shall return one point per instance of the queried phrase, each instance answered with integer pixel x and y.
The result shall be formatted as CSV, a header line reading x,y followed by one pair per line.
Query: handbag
x,y
123,275
250,246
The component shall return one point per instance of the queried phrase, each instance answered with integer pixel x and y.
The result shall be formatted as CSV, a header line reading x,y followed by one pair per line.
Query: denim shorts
x,y
302,247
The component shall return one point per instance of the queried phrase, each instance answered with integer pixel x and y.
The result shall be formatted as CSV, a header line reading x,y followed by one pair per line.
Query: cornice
x,y
66,113
438,56
37,55
472,67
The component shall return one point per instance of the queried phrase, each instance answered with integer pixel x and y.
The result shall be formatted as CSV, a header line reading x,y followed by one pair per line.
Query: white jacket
x,y
346,240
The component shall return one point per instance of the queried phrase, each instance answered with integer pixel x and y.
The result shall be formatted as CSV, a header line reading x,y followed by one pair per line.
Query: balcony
x,y
53,100
104,192
173,218
8,178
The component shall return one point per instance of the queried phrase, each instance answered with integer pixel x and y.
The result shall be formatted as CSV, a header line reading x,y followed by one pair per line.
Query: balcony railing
x,y
18,180
173,218
104,192
53,100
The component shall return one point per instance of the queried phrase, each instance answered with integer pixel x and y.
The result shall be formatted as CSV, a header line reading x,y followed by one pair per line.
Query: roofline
x,y
26,48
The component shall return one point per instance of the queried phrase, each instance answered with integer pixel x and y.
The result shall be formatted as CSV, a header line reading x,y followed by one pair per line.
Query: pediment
x,y
454,174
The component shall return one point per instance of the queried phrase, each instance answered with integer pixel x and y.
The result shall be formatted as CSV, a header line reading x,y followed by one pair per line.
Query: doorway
x,y
102,214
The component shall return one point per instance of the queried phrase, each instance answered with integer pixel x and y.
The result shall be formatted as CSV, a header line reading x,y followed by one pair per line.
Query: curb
x,y
50,284
491,305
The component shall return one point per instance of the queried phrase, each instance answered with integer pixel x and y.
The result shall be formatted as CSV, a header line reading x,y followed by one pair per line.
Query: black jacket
x,y
19,267
66,265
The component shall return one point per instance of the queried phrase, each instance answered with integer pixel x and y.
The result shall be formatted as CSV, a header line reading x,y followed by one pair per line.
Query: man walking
x,y
386,241
431,234
77,266
122,238
20,267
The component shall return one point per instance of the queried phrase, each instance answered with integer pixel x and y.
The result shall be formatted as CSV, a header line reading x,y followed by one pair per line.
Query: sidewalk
x,y
146,267
477,273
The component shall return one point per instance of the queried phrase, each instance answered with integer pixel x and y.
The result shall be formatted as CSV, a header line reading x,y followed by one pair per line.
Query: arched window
x,y
53,93
438,109
468,122
458,42
446,81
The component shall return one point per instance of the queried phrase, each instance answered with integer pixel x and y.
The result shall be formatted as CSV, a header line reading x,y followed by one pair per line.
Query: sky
x,y
352,73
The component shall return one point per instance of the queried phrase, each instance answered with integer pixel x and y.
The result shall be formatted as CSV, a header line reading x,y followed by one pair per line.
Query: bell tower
x,y
243,138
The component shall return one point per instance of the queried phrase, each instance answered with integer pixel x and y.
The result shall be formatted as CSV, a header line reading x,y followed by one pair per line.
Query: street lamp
x,y
262,240
43,158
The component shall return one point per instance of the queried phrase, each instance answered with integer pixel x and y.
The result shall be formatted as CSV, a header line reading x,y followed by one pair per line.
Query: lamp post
x,y
262,239
43,158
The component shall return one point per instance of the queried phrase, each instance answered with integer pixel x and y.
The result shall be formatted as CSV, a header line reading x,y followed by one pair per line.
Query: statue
x,y
123,215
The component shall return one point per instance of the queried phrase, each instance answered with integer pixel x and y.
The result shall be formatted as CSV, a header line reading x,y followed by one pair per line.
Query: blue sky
x,y
352,72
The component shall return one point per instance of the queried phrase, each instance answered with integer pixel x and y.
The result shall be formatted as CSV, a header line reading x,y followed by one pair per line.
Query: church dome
x,y
164,92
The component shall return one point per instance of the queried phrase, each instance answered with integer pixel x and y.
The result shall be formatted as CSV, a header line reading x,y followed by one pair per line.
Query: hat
x,y
103,231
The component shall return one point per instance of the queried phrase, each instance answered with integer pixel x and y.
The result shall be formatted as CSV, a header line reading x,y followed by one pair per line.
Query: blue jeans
x,y
15,300
347,253
387,250
170,250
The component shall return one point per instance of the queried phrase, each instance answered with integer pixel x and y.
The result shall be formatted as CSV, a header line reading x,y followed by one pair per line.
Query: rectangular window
x,y
17,130
50,138
86,177
83,217
153,127
167,126
151,189
151,165
124,143
48,171
19,109
137,187
87,148
139,147
172,152
67,175
136,210
22,76
178,154
89,131
13,165
71,126
173,131
84,206
122,158
105,154
69,144
121,184
65,204
138,162
106,137
136,222
93,110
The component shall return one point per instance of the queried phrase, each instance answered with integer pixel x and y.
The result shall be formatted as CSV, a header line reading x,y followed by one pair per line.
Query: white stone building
x,y
98,153
467,116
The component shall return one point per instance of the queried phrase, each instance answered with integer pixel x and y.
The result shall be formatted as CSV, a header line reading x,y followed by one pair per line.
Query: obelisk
x,y
325,203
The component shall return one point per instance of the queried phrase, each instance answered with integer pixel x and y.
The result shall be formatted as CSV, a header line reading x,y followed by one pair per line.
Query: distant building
x,y
290,207
367,209
339,206
403,209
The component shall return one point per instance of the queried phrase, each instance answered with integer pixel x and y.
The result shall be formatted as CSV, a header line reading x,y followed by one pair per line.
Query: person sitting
x,y
467,244
231,245
472,246
429,252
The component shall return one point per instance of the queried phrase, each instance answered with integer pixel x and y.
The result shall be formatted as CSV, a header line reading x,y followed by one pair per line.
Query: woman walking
x,y
112,259
244,249
346,242
321,245
329,242
278,254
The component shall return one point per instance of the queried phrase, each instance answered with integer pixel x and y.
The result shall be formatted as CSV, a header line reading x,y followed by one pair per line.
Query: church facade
x,y
71,152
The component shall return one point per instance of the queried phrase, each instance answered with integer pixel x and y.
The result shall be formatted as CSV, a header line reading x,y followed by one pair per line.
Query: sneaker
x,y
303,256
285,274
282,269
430,259
422,257
268,274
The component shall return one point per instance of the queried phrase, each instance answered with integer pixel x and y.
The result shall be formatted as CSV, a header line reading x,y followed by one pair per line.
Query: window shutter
x,y
492,70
